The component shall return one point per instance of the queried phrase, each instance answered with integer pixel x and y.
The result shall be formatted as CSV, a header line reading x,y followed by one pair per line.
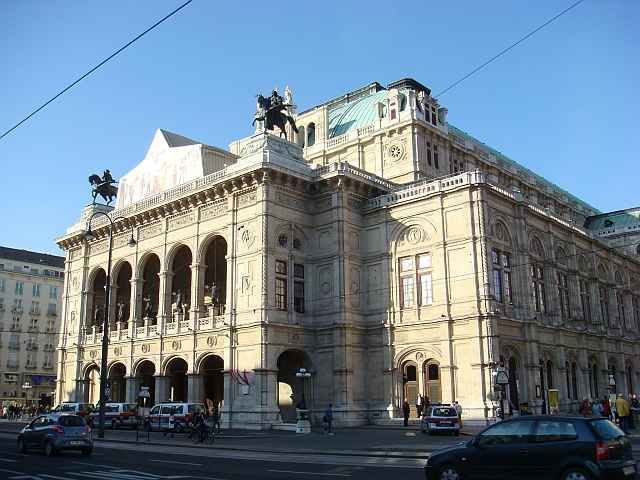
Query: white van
x,y
116,415
173,416
82,409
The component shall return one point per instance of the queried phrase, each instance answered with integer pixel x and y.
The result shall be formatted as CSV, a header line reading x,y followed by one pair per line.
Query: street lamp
x,y
303,374
27,386
88,235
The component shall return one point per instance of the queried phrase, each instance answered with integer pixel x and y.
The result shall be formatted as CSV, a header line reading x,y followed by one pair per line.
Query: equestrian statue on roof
x,y
103,186
272,112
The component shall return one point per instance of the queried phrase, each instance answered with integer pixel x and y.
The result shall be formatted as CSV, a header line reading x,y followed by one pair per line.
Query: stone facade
x,y
387,252
30,299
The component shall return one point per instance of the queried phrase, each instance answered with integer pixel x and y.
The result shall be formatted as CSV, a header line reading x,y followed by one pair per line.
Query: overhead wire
x,y
85,75
510,47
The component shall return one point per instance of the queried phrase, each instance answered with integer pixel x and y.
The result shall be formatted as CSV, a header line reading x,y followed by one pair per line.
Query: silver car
x,y
53,433
441,418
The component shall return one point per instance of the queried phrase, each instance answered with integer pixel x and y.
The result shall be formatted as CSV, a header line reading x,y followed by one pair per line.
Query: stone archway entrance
x,y
180,284
177,377
92,385
117,383
432,381
290,387
409,382
211,369
145,378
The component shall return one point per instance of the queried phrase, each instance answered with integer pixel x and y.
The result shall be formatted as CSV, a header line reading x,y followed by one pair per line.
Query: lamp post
x,y
303,374
88,235
27,386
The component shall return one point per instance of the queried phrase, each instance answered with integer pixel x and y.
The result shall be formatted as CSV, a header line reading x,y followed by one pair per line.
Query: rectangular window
x,y
51,309
636,312
502,290
53,292
2,283
507,287
426,289
281,267
435,156
563,295
434,116
35,290
424,261
622,320
12,360
407,292
585,300
604,305
35,308
537,287
298,271
429,153
281,293
497,285
298,297
406,264
19,288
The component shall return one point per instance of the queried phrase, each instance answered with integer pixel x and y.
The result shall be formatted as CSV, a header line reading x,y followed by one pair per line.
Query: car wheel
x,y
87,451
575,473
49,449
22,448
449,472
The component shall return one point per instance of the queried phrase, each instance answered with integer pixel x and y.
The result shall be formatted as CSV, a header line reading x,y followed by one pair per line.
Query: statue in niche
x,y
215,293
120,311
98,316
148,307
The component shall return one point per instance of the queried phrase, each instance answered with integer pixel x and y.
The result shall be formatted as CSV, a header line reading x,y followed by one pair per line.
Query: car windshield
x,y
444,412
606,429
71,421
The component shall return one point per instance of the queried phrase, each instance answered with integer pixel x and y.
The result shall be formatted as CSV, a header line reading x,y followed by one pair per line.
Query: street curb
x,y
408,454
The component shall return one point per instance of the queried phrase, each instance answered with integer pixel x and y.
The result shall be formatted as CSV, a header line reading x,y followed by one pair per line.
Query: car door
x,y
41,430
500,451
154,417
28,435
553,442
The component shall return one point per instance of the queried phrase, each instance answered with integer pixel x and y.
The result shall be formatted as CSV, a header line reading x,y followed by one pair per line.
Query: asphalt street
x,y
131,462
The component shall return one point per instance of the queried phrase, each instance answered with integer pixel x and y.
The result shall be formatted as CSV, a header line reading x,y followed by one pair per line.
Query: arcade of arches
x,y
139,298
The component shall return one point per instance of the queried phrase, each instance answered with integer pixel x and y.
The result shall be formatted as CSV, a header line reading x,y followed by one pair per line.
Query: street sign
x,y
144,392
502,378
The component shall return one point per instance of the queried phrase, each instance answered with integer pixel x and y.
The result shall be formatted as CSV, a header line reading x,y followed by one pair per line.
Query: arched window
x,y
431,375
501,262
630,389
574,380
311,134
537,276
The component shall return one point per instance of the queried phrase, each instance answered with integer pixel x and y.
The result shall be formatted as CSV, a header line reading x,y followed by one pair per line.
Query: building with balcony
x,y
382,249
30,300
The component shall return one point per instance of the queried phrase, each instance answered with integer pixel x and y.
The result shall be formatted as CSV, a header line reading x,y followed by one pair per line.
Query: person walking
x,y
406,410
327,419
623,410
458,408
419,404
606,408
585,411
596,408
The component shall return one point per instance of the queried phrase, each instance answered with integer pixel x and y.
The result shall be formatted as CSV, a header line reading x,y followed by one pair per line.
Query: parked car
x,y
53,433
539,447
116,415
440,418
173,416
82,409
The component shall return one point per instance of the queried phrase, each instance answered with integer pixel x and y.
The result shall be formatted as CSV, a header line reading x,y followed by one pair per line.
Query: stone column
x,y
131,392
164,300
113,297
226,420
195,388
161,389
266,388
135,307
81,386
197,291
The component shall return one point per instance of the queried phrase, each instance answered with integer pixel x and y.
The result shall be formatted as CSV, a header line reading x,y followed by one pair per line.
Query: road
x,y
132,462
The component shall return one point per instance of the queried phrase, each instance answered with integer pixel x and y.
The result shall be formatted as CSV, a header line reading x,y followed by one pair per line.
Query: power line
x,y
502,52
61,92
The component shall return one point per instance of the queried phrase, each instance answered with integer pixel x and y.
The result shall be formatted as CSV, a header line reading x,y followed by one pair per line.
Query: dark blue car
x,y
539,447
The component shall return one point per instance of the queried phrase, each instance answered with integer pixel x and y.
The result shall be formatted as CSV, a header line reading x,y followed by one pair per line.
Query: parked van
x,y
173,416
116,415
82,409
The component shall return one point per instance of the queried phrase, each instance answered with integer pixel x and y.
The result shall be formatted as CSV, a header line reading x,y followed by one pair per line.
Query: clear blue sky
x,y
564,104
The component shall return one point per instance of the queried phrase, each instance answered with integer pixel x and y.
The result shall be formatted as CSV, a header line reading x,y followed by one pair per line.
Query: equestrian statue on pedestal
x,y
103,186
272,112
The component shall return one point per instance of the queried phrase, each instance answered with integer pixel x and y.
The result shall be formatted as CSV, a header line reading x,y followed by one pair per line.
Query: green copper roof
x,y
619,220
508,161
355,114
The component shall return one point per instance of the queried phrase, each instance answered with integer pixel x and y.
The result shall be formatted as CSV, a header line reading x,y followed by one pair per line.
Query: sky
x,y
564,103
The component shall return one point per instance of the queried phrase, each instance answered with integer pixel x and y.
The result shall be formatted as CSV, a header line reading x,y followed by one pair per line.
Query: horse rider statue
x,y
103,186
271,112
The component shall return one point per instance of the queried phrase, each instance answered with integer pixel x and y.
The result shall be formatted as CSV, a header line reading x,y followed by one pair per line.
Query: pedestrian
x,y
419,404
406,410
635,409
606,408
327,420
623,411
596,408
585,410
458,408
215,417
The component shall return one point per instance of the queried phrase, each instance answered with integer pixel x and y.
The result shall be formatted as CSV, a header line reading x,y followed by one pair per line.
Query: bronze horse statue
x,y
270,111
103,186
